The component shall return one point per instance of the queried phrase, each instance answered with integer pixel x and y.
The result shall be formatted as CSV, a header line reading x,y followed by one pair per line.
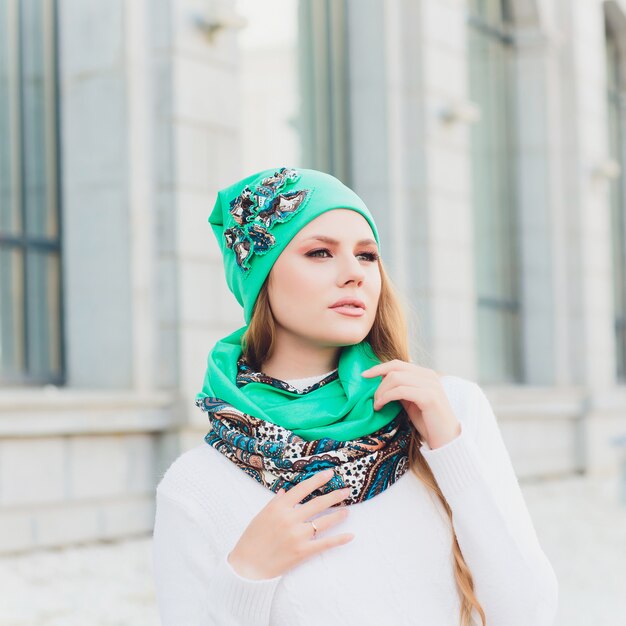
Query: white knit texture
x,y
399,567
303,383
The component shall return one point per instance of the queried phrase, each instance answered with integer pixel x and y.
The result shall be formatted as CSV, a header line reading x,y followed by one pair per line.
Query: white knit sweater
x,y
399,567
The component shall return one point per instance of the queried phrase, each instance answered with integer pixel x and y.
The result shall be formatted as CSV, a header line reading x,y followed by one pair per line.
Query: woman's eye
x,y
369,256
315,252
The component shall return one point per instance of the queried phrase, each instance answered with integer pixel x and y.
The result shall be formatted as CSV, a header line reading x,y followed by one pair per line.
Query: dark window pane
x,y
37,121
30,276
324,118
10,222
493,178
43,280
12,357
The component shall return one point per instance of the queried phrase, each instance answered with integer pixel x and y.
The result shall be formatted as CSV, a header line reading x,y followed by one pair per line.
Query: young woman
x,y
340,482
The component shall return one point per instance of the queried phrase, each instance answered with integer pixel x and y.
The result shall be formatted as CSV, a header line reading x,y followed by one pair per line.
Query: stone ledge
x,y
529,401
54,411
66,523
533,402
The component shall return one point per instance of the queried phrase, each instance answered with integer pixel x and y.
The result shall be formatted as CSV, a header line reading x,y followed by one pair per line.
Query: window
x,y
30,262
494,197
616,111
324,119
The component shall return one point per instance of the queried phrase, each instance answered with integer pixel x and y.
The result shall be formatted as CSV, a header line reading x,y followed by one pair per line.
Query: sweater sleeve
x,y
513,579
195,584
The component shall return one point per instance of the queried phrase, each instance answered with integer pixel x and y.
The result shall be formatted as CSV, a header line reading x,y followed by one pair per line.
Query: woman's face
x,y
332,258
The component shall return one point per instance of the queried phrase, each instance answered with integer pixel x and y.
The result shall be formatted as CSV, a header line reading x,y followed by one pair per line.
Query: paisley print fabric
x,y
245,374
278,458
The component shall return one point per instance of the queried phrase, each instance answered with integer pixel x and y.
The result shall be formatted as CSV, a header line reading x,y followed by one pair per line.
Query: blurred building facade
x,y
486,136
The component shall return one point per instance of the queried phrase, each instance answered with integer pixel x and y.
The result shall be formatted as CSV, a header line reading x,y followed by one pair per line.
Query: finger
x,y
402,377
401,392
406,380
384,368
323,502
394,378
303,489
324,522
397,365
320,545
372,372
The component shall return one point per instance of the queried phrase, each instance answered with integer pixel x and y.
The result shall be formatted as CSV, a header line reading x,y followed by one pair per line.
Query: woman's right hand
x,y
279,536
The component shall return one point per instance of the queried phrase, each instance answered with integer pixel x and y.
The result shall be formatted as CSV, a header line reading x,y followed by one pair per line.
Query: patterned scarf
x,y
278,458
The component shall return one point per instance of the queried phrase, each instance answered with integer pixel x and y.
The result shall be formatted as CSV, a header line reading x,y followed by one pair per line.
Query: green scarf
x,y
342,409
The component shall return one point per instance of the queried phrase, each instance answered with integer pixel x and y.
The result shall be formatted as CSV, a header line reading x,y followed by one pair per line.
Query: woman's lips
x,y
350,311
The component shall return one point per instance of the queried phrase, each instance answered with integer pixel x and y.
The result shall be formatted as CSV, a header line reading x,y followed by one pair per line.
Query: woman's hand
x,y
280,536
423,397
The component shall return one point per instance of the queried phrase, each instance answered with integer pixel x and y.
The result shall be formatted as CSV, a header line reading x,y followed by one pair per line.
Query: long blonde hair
x,y
389,340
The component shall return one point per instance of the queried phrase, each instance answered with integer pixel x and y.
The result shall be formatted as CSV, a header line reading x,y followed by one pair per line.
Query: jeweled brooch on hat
x,y
257,209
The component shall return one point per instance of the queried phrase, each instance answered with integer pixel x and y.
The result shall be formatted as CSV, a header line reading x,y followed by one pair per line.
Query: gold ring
x,y
314,528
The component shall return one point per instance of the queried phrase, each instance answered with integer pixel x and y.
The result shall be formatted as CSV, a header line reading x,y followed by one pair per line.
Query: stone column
x,y
408,67
197,126
589,298
543,217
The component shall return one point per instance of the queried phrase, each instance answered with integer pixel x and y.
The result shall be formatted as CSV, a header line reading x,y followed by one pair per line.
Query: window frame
x,y
21,238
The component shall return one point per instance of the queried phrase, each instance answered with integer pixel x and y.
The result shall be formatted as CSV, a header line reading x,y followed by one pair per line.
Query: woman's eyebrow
x,y
330,240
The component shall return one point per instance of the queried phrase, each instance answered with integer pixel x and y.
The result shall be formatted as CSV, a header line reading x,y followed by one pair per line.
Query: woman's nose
x,y
351,270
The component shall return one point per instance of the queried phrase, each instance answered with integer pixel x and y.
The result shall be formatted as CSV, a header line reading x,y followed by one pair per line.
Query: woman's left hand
x,y
422,395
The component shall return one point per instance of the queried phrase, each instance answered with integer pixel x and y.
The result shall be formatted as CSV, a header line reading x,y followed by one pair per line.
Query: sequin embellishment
x,y
255,211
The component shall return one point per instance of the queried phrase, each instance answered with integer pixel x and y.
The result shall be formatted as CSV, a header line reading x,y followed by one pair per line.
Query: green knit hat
x,y
255,218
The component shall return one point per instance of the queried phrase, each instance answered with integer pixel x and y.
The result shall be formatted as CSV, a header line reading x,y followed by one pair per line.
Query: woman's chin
x,y
337,332
339,337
